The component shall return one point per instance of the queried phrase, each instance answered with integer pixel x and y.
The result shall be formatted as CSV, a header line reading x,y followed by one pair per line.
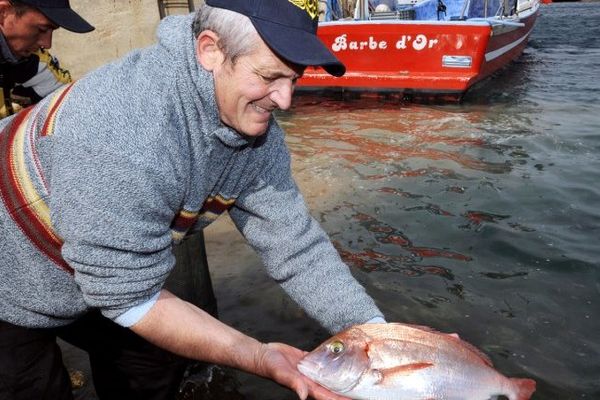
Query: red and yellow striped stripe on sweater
x,y
23,186
24,189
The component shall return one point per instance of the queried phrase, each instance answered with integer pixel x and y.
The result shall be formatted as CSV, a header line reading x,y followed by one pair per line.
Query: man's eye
x,y
268,79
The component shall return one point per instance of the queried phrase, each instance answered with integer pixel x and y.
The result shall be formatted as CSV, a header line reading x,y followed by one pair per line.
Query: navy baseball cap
x,y
60,12
289,28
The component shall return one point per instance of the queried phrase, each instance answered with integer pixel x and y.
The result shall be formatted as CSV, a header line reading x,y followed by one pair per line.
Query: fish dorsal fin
x,y
384,331
373,328
432,330
422,327
387,375
453,336
482,356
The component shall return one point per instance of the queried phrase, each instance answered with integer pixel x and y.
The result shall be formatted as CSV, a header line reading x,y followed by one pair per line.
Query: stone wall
x,y
121,25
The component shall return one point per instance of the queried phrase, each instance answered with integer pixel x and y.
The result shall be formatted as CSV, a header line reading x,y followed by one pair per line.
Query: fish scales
x,y
408,362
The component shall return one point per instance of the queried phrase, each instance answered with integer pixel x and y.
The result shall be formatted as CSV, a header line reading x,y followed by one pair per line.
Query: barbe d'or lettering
x,y
420,42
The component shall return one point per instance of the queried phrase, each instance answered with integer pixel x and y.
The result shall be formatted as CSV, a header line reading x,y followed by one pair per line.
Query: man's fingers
x,y
302,391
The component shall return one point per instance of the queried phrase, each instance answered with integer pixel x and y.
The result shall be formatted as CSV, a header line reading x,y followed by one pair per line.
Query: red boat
x,y
422,47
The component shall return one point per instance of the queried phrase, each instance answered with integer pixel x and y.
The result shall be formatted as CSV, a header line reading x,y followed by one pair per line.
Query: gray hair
x,y
237,35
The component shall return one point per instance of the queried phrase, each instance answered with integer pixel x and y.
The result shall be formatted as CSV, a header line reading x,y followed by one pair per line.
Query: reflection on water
x,y
465,219
481,218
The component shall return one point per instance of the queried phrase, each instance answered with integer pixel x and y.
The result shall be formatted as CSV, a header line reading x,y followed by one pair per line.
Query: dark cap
x,y
60,12
289,28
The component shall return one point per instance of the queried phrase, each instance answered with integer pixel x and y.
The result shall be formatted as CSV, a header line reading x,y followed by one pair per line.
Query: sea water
x,y
481,218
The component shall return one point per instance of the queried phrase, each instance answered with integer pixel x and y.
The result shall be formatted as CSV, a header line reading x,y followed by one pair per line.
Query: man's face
x,y
25,34
250,90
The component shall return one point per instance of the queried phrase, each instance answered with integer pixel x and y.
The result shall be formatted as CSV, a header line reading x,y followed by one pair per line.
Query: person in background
x,y
333,10
99,180
27,70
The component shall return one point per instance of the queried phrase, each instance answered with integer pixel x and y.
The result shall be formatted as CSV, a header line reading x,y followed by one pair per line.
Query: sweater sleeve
x,y
296,252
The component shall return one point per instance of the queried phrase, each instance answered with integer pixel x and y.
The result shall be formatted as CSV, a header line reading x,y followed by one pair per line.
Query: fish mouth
x,y
309,368
313,370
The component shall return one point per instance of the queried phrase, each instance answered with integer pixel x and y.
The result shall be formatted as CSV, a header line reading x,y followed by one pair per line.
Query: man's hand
x,y
278,362
184,329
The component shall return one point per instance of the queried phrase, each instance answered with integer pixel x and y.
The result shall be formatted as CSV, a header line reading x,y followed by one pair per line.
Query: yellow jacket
x,y
29,80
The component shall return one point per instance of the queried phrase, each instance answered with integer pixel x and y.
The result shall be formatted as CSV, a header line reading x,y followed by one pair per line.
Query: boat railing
x,y
399,14
465,7
442,10
498,21
473,10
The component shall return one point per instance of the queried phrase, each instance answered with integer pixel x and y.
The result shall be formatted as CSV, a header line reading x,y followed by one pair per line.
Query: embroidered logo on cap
x,y
310,6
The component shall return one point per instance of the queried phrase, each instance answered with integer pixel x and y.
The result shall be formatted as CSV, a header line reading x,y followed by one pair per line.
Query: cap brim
x,y
298,46
67,18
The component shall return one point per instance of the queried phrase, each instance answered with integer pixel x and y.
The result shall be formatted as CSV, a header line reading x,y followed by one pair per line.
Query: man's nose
x,y
282,95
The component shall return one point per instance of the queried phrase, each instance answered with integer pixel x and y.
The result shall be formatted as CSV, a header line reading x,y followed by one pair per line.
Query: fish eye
x,y
336,347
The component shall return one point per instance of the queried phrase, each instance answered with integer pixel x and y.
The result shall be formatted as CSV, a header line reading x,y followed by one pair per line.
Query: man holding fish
x,y
102,177
99,180
406,362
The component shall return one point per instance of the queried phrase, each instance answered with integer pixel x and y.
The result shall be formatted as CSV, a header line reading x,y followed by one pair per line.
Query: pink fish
x,y
405,362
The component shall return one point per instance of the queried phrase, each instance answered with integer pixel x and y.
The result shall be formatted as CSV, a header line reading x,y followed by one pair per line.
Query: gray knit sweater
x,y
100,179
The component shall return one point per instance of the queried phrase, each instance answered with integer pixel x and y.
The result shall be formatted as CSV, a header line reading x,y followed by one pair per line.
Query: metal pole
x,y
161,9
362,13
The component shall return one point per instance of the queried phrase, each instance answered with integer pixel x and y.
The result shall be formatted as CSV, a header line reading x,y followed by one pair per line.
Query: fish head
x,y
339,363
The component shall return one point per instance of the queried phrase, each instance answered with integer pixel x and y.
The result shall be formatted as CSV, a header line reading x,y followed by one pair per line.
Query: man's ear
x,y
208,53
5,7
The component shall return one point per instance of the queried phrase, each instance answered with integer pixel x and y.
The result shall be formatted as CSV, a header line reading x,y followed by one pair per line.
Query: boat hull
x,y
428,57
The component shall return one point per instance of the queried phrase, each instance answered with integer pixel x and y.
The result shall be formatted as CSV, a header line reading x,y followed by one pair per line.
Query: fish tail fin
x,y
524,388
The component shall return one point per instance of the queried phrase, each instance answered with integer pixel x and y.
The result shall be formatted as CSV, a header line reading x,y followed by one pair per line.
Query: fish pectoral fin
x,y
388,374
